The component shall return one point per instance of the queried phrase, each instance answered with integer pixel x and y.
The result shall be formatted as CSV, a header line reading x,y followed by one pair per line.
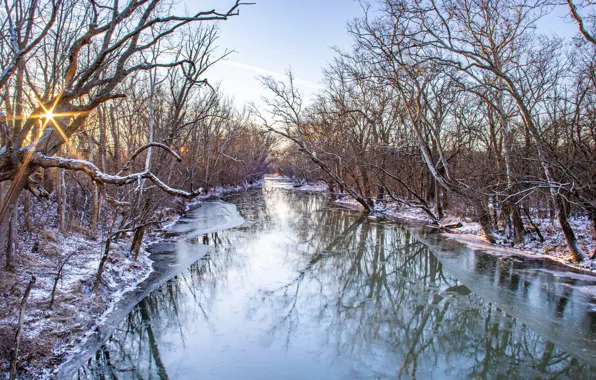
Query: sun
x,y
48,115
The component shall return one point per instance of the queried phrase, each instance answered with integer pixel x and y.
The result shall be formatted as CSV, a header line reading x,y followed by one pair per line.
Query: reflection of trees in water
x,y
379,297
374,286
133,350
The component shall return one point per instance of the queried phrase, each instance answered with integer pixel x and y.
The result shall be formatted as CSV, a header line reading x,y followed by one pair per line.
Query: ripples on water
x,y
306,291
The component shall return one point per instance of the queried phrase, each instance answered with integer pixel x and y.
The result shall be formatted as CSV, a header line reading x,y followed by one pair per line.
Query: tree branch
x,y
100,177
580,22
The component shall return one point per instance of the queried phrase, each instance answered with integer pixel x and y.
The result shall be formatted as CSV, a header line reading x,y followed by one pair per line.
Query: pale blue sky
x,y
273,35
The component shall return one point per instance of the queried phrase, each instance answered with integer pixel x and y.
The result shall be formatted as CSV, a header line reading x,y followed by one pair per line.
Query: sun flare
x,y
49,115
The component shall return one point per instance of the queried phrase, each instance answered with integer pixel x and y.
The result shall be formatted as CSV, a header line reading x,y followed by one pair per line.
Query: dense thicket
x,y
459,104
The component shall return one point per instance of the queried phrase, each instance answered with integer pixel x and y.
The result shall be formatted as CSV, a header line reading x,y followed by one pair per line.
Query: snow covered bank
x,y
80,318
468,232
173,250
62,308
554,245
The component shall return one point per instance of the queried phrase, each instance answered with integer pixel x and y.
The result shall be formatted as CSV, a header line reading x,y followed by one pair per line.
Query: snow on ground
x,y
408,213
348,202
76,308
315,186
554,245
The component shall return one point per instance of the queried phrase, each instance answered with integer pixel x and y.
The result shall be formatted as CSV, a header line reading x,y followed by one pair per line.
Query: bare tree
x,y
72,72
286,117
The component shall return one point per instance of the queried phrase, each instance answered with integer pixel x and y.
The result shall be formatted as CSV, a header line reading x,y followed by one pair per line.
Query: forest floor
x,y
464,230
49,334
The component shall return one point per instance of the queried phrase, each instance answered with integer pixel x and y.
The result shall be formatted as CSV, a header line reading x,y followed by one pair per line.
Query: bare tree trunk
x,y
563,219
438,203
102,263
11,248
512,208
518,224
140,231
17,337
61,199
483,217
96,211
102,138
96,201
137,241
8,207
380,187
365,183
115,136
559,208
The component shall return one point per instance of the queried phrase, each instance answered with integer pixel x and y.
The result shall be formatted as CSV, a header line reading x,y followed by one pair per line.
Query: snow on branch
x,y
100,177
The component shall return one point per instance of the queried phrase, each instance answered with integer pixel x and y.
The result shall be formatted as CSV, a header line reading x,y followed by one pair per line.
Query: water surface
x,y
304,290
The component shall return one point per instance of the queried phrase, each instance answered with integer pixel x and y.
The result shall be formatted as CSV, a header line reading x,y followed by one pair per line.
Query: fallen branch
x,y
60,268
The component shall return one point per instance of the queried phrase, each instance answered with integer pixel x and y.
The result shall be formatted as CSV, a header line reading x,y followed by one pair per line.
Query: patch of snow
x,y
316,186
408,213
348,202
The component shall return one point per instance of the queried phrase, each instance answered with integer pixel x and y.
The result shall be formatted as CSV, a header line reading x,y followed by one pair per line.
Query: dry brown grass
x,y
30,350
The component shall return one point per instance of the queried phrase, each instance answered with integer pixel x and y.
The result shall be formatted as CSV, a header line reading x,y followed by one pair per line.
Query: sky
x,y
273,35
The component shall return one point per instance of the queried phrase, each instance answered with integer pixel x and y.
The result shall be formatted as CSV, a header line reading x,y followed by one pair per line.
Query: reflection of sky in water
x,y
303,291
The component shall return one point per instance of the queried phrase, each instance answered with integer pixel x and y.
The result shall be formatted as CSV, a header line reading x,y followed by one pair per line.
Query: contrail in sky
x,y
260,70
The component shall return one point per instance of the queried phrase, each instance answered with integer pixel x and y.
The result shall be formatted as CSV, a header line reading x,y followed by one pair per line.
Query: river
x,y
306,290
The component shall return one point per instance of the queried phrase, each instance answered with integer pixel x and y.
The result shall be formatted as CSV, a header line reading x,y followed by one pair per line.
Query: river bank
x,y
544,240
79,316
